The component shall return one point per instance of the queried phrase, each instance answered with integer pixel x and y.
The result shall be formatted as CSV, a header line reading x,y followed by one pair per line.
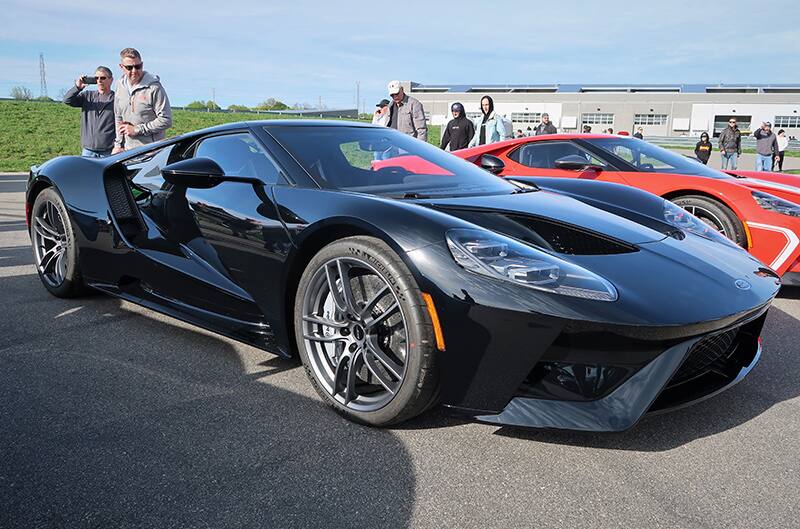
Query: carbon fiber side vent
x,y
122,204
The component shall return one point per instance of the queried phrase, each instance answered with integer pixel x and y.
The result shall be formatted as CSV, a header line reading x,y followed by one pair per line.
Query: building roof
x,y
625,88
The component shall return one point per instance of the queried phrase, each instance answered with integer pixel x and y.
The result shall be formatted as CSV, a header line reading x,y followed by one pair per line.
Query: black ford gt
x,y
403,276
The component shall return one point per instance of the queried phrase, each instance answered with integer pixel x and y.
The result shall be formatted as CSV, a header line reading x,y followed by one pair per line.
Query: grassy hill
x,y
32,132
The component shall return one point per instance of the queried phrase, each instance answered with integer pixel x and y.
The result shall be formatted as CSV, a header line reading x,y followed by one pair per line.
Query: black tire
x,y
67,282
368,261
715,214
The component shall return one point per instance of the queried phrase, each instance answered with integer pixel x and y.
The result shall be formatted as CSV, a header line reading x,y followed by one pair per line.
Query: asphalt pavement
x,y
112,415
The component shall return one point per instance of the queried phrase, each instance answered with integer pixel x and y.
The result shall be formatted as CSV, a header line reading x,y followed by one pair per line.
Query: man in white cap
x,y
406,113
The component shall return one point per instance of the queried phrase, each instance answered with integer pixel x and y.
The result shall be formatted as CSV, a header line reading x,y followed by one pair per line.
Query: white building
x,y
661,110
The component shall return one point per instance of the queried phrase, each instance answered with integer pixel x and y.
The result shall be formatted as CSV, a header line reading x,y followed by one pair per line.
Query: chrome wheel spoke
x,y
367,310
379,374
352,378
49,258
347,289
372,322
322,338
325,322
391,366
331,270
45,231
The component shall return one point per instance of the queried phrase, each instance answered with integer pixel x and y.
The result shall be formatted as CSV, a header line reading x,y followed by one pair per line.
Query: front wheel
x,y
364,334
715,214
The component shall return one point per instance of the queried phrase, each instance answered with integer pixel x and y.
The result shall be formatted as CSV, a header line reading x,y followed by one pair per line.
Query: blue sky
x,y
302,50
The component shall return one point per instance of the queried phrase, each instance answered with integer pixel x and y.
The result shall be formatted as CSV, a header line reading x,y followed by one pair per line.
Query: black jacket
x,y
541,128
458,133
703,150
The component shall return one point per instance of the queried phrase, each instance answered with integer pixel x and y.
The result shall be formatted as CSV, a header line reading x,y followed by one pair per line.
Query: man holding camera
x,y
97,116
141,106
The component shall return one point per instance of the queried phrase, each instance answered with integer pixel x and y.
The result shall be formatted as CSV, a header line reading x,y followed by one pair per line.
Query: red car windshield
x,y
382,161
646,157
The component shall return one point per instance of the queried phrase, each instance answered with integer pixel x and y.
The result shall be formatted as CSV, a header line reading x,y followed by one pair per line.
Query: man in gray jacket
x,y
766,147
97,116
406,113
141,107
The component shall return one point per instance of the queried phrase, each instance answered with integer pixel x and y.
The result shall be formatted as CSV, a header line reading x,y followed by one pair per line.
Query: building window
x,y
597,118
650,119
526,117
787,121
474,115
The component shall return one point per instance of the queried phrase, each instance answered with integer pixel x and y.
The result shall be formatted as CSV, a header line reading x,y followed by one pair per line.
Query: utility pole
x,y
358,95
42,77
213,99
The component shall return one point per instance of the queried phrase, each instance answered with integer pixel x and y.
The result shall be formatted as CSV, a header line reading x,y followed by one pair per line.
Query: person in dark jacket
x,y
703,148
730,145
639,133
97,116
766,147
459,130
545,127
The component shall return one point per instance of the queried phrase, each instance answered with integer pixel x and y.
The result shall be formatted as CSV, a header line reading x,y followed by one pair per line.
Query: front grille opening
x,y
711,364
710,353
575,382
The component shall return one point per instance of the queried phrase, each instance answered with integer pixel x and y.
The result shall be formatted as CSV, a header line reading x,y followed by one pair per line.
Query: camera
x,y
89,79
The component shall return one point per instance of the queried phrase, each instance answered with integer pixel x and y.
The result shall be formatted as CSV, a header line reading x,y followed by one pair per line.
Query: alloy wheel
x,y
50,243
707,217
355,334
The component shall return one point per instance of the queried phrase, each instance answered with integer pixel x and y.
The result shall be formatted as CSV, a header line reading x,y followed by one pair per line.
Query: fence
x,y
748,142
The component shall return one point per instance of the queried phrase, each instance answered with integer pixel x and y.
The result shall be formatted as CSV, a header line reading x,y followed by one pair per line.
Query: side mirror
x,y
492,163
574,162
200,173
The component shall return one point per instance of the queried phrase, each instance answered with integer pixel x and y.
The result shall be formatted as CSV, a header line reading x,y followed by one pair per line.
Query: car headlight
x,y
776,204
500,257
685,221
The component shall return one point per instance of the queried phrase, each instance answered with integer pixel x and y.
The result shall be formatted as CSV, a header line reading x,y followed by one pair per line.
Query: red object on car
x,y
758,210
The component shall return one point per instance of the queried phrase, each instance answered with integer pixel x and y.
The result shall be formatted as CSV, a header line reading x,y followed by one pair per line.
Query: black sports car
x,y
404,276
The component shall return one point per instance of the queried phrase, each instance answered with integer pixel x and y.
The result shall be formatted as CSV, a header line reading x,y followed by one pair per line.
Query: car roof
x,y
269,123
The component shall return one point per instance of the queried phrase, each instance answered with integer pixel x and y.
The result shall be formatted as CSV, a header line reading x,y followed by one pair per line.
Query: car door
x,y
218,250
539,157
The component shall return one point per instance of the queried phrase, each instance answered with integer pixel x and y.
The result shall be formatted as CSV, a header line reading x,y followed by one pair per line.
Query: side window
x,y
239,155
145,170
543,155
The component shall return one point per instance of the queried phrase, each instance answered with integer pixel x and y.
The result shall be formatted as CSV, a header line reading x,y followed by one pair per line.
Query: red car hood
x,y
780,184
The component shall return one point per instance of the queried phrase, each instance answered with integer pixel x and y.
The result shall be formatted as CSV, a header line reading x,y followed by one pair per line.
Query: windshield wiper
x,y
409,195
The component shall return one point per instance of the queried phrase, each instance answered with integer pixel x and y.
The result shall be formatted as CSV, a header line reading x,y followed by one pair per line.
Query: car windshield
x,y
651,158
382,161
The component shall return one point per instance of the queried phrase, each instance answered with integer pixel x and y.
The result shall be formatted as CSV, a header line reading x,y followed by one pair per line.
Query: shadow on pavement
x,y
112,418
774,380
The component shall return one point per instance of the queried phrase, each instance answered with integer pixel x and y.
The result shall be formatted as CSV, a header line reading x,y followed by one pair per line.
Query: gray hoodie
x,y
766,143
146,106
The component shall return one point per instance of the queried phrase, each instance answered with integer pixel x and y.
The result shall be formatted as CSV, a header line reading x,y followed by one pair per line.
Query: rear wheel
x,y
364,334
715,214
54,249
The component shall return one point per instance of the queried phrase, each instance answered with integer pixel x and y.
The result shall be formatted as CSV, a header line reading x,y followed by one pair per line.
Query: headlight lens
x,y
685,221
776,204
500,257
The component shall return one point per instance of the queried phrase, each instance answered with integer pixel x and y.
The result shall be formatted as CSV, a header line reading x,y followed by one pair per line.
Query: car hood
x,y
554,207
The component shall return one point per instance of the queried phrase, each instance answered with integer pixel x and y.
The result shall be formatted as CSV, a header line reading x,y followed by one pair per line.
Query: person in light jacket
x,y
141,108
489,128
783,142
406,113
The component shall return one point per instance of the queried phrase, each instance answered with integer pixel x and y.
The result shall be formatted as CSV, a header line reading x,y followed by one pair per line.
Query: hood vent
x,y
544,233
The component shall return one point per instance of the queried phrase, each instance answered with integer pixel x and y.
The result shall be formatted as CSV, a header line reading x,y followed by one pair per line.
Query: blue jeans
x,y
729,157
89,153
764,163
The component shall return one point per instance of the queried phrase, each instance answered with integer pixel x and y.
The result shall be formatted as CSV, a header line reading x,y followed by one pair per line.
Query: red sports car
x,y
759,211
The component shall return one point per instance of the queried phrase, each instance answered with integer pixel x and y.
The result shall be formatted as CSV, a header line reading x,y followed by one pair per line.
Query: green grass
x,y
33,132
792,171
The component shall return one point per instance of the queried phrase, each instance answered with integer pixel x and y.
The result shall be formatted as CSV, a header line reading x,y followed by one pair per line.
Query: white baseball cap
x,y
394,87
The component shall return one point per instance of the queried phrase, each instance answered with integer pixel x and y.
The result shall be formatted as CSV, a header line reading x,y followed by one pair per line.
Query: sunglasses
x,y
101,77
131,67
732,122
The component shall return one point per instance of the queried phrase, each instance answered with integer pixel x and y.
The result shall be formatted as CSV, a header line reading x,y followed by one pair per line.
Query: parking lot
x,y
116,416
